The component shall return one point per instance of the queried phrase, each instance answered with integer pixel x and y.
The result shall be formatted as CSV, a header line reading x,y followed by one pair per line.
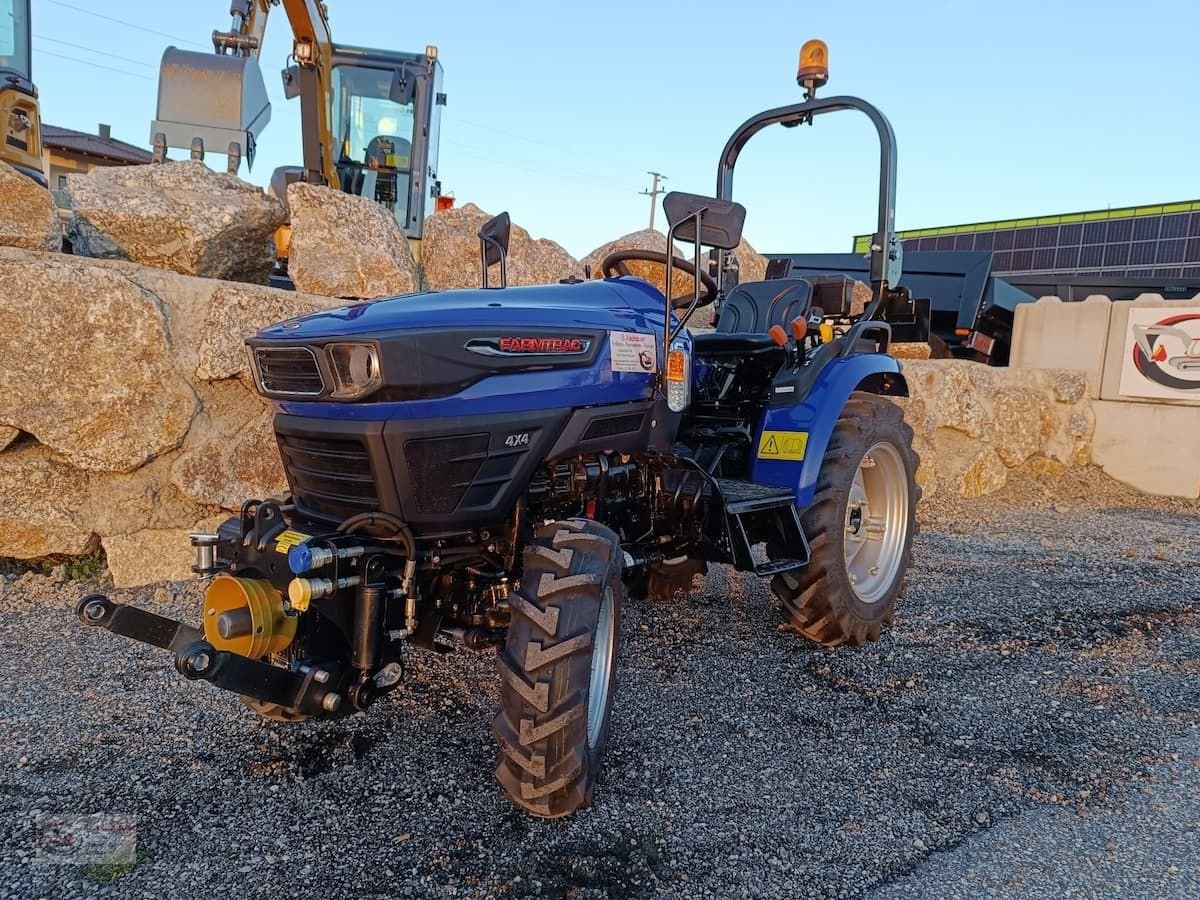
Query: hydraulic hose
x,y
400,531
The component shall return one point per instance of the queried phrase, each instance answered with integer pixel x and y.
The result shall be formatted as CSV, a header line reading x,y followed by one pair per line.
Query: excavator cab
x,y
21,145
385,121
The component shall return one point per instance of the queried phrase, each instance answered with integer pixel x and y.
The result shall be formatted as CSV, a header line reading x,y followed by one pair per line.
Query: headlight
x,y
355,369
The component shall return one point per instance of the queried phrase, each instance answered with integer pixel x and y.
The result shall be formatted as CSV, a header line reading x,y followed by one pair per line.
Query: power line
x,y
537,170
95,65
534,165
520,137
127,24
137,62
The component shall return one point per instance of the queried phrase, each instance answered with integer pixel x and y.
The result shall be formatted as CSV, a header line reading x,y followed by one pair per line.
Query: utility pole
x,y
653,193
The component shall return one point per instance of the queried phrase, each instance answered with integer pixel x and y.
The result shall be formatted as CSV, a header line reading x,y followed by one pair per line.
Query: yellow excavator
x,y
369,118
22,146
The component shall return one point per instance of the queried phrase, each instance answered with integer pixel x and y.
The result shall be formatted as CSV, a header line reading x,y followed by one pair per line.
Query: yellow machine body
x,y
22,144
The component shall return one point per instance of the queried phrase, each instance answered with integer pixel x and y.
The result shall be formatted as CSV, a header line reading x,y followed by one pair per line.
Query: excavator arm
x,y
312,53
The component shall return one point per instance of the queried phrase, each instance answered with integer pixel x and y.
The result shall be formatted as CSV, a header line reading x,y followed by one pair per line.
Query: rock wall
x,y
347,246
125,396
450,253
179,216
28,217
973,424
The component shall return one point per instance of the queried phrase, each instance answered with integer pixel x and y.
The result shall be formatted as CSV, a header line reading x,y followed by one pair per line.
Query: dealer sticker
x,y
788,445
633,351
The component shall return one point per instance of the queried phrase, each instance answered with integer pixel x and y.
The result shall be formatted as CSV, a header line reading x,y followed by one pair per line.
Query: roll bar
x,y
886,253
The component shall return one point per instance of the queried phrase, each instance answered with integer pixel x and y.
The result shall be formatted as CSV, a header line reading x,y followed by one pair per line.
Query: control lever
x,y
794,346
799,329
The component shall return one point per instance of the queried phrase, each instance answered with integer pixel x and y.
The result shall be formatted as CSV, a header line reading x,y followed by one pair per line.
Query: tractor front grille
x,y
330,477
442,469
289,371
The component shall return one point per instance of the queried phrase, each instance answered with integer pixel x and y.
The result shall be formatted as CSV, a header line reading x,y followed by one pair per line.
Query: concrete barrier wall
x,y
1145,386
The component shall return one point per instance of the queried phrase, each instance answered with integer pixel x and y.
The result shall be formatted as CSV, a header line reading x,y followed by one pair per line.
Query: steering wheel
x,y
615,264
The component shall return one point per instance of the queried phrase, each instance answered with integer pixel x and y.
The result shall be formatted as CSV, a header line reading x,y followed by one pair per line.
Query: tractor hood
x,y
439,344
621,304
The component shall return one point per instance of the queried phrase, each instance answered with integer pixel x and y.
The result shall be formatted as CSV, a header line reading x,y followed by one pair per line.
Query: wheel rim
x,y
603,647
876,522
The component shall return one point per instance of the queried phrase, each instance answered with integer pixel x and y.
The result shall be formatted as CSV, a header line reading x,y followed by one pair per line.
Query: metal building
x,y
1158,241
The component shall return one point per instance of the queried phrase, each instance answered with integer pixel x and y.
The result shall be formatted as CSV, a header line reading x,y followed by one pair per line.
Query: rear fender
x,y
802,431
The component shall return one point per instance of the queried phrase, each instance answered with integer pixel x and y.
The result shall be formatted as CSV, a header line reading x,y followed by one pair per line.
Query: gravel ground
x,y
1029,726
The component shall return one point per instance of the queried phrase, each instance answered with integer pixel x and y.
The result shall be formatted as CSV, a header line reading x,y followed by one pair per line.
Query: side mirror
x,y
720,225
291,82
404,87
493,246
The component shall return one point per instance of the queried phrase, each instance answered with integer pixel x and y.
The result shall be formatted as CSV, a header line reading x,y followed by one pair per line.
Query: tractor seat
x,y
755,306
749,312
715,343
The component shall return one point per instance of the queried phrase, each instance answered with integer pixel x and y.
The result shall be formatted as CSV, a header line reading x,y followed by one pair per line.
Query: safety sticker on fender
x,y
632,351
787,445
286,540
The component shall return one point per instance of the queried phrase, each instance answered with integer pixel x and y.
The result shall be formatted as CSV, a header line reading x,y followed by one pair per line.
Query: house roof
x,y
57,138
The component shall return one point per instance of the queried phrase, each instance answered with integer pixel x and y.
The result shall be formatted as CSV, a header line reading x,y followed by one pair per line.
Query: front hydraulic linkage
x,y
304,691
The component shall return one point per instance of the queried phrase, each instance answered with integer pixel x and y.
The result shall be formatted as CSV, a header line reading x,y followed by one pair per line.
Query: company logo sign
x,y
1162,357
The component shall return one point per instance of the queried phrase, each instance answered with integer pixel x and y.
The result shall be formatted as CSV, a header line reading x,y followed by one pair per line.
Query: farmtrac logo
x,y
1168,353
529,346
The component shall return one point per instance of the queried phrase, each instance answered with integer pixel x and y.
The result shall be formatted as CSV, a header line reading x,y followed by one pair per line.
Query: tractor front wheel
x,y
557,667
860,528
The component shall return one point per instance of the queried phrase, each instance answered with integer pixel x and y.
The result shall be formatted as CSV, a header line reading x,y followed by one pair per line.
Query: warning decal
x,y
286,540
633,351
785,445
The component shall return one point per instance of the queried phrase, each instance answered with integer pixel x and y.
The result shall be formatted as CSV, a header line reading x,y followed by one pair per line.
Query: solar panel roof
x,y
1161,241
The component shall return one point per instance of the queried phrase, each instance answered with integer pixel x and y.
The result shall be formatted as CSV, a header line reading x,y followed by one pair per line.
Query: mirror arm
x,y
669,333
484,241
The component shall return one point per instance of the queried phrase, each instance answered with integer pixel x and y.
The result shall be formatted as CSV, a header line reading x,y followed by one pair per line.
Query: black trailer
x,y
972,309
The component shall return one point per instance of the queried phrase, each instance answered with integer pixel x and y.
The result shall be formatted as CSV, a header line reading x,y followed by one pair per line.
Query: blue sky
x,y
556,110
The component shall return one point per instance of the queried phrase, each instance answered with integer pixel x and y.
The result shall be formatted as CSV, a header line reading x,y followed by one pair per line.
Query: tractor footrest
x,y
746,496
762,513
779,566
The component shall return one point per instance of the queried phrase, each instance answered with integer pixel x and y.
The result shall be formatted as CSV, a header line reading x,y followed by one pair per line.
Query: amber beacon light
x,y
813,70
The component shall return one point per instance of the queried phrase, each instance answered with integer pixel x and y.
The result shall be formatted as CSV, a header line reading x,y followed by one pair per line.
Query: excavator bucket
x,y
209,102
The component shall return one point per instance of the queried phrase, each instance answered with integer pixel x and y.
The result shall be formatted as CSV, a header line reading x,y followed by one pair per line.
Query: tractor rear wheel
x,y
557,668
860,528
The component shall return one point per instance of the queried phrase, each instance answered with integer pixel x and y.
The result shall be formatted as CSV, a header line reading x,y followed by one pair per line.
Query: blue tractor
x,y
500,468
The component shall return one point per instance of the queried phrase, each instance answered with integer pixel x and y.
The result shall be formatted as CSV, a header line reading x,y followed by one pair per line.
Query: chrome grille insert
x,y
289,371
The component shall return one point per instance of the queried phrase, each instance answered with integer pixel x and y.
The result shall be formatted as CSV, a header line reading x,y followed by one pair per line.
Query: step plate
x,y
746,496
